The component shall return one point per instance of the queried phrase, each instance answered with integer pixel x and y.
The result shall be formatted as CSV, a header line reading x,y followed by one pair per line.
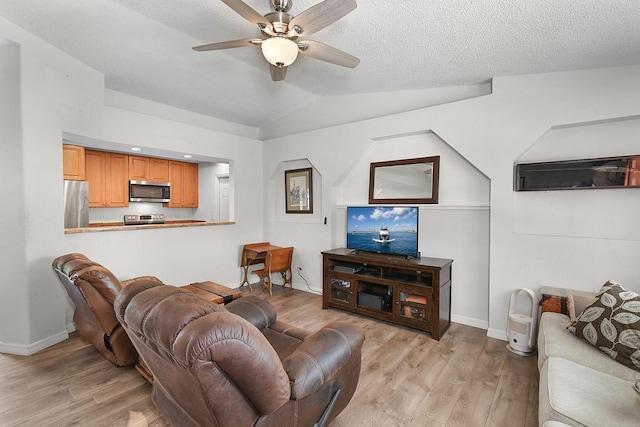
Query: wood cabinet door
x,y
413,304
176,179
117,180
95,167
190,196
138,168
340,288
158,170
73,164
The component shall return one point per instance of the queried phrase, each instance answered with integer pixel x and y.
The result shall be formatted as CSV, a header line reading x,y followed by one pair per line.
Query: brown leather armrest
x,y
321,356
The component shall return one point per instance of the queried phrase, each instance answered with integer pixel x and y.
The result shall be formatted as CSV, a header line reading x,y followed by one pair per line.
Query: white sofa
x,y
579,384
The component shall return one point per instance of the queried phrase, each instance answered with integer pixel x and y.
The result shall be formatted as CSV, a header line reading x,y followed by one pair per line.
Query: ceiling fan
x,y
281,45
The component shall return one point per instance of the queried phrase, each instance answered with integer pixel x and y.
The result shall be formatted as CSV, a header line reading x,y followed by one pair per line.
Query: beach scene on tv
x,y
392,230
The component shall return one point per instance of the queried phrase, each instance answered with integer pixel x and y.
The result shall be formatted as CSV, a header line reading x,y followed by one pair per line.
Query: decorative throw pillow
x,y
612,323
576,303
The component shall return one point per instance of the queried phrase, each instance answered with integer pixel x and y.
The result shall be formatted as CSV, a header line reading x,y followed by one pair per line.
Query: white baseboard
x,y
497,334
29,349
305,288
476,323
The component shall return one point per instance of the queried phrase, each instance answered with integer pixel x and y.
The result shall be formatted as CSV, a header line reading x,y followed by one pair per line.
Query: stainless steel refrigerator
x,y
76,204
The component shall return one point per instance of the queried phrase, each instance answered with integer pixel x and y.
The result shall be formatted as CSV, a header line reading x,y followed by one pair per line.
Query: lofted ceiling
x,y
143,47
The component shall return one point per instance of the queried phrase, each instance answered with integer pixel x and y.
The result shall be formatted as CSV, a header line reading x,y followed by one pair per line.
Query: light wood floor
x,y
407,379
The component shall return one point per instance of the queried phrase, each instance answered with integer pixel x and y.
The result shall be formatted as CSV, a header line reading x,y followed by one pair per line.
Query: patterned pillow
x,y
612,323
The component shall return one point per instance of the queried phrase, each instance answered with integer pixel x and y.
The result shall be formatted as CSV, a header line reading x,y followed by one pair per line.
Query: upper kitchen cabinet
x,y
73,165
148,169
184,184
108,177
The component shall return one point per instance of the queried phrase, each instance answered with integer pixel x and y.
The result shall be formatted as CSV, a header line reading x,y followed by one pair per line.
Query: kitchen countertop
x,y
119,226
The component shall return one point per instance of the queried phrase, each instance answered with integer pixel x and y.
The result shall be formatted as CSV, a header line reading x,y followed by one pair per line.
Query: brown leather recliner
x,y
93,288
236,365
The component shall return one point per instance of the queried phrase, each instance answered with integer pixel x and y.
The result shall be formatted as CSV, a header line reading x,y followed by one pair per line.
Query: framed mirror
x,y
405,181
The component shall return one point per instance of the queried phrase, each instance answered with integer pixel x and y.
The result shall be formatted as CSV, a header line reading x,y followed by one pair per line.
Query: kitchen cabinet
x,y
411,292
183,177
73,165
108,177
148,169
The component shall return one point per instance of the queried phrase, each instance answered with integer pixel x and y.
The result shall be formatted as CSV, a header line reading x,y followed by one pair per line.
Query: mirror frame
x,y
406,168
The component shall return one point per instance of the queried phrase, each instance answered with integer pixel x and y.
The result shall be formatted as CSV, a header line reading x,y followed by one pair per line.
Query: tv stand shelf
x,y
409,292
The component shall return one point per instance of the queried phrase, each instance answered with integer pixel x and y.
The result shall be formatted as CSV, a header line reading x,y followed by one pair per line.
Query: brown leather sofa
x,y
237,365
93,288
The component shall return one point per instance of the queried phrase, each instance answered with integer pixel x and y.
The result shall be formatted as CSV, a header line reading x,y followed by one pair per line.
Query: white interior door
x,y
223,198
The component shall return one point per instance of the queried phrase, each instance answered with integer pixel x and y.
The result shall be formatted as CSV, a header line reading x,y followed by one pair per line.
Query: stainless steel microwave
x,y
148,191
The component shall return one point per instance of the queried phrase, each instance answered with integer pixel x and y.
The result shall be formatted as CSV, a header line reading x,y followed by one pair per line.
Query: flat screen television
x,y
382,229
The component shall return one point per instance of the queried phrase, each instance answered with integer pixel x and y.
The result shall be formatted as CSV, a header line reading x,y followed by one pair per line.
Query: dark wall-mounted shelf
x,y
606,172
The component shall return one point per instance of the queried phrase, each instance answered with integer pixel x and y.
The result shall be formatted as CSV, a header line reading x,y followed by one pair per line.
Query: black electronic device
x,y
375,301
349,267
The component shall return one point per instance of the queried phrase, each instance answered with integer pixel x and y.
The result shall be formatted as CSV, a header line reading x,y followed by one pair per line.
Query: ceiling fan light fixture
x,y
279,51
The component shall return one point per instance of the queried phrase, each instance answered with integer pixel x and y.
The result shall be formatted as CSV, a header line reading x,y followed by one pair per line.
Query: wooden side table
x,y
214,292
554,299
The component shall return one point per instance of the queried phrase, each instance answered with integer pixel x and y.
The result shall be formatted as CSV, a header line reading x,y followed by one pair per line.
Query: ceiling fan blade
x,y
321,15
227,45
247,12
278,73
327,53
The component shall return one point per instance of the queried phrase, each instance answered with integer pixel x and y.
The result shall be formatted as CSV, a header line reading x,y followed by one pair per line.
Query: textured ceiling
x,y
143,47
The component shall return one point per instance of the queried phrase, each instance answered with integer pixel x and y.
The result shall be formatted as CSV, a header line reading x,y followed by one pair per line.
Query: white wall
x,y
58,94
456,228
181,256
492,132
576,218
14,321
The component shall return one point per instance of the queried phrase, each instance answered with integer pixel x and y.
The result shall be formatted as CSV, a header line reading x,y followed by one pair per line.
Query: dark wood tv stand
x,y
410,292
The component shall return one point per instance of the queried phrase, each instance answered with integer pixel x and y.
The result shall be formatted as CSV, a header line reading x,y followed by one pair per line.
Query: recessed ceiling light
x,y
187,156
136,149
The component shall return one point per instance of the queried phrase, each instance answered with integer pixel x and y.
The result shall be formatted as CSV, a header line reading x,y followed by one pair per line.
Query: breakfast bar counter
x,y
119,226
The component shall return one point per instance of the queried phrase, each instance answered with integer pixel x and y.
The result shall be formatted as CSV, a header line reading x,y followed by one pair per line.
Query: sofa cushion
x,y
612,324
555,341
578,395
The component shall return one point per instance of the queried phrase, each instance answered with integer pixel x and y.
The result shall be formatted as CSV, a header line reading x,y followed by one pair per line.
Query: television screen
x,y
390,230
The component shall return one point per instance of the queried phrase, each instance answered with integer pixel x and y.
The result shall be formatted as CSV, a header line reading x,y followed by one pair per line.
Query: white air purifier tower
x,y
521,328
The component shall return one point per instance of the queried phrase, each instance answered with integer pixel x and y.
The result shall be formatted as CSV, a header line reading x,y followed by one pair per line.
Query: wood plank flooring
x,y
407,379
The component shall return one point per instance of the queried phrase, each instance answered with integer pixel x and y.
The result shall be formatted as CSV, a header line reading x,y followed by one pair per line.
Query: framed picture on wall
x,y
298,191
